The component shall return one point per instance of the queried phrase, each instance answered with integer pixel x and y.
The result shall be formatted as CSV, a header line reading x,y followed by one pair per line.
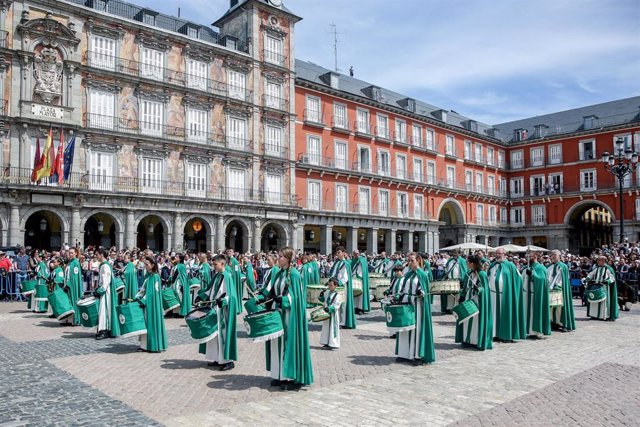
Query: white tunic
x,y
407,345
104,313
601,310
495,286
554,277
330,334
277,344
343,280
215,348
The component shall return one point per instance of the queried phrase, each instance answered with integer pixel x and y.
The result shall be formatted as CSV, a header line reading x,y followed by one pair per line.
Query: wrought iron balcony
x,y
3,38
273,57
274,102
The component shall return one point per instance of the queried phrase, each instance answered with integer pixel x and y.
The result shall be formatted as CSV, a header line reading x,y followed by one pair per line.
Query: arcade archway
x,y
452,215
44,230
236,236
196,234
151,233
100,230
590,226
273,237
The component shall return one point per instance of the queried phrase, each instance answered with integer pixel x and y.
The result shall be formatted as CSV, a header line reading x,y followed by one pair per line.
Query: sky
x,y
492,60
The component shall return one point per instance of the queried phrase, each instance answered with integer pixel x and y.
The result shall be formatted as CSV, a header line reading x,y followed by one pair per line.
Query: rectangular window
x,y
401,167
503,187
492,219
451,176
236,133
313,113
537,187
341,198
627,142
340,116
313,195
479,182
196,125
450,148
517,216
479,213
431,173
362,122
152,117
517,160
273,189
503,216
417,170
587,150
501,161
364,160
416,136
151,174
237,88
273,50
197,73
382,128
431,140
467,150
555,154
490,156
313,150
478,153
638,209
403,205
196,179
101,171
491,185
273,143
383,195
273,95
236,184
555,183
103,53
468,180
418,203
401,131
538,215
364,201
517,187
384,163
101,109
588,180
341,155
537,156
152,66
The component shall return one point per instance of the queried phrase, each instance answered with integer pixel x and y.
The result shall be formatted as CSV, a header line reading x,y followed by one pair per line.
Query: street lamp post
x,y
620,164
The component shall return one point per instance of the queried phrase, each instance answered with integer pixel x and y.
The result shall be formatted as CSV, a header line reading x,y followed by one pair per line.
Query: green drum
x,y
400,317
203,324
60,304
319,315
42,293
253,307
313,294
131,319
88,308
465,311
596,294
169,300
28,287
264,325
119,284
194,283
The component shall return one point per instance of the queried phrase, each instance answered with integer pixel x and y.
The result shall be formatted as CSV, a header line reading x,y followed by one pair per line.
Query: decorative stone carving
x,y
101,146
153,42
234,64
197,53
273,168
156,96
236,162
238,112
273,121
152,151
200,104
114,33
194,157
101,85
48,74
273,30
274,77
49,32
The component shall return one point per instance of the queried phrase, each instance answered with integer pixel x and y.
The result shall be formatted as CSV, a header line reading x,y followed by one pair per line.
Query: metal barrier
x,y
10,286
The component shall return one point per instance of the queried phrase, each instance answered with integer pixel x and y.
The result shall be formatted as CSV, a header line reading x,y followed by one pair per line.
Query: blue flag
x,y
68,157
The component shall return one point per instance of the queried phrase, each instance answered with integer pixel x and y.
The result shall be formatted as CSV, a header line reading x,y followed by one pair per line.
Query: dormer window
x,y
190,30
472,125
147,16
519,135
100,5
441,115
589,122
409,104
374,92
540,131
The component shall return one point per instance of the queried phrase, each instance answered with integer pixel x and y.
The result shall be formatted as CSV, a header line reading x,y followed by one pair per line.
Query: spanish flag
x,y
57,171
48,155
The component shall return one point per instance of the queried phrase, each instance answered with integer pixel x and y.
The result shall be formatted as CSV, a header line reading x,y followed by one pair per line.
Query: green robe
x,y
226,314
612,298
315,280
536,287
448,268
205,278
476,287
507,302
130,281
348,317
150,297
73,281
567,316
182,280
58,277
364,276
306,276
42,275
251,278
114,324
236,275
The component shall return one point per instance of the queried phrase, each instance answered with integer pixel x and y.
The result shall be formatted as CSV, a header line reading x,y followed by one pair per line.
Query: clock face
x,y
276,3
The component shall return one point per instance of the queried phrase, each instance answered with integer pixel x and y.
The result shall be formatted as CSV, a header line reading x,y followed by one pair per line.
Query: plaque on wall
x,y
46,199
47,111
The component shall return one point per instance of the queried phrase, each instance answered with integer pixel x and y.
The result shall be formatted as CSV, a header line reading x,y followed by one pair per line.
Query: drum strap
x,y
453,265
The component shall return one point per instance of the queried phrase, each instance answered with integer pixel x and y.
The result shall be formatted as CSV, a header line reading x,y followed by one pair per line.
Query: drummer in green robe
x,y
341,271
204,274
507,301
602,276
417,345
108,325
73,285
42,276
315,280
150,299
455,269
562,318
360,269
250,282
306,272
236,275
222,351
536,298
180,283
130,278
478,330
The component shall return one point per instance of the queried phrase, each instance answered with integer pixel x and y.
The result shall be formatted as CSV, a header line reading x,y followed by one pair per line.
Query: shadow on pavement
x,y
447,346
372,337
183,364
372,360
242,382
117,348
51,324
78,333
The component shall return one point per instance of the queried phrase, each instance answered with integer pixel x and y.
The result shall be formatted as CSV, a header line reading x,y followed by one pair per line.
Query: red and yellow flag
x,y
47,158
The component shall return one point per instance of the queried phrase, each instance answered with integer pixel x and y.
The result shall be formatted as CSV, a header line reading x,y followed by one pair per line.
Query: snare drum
x,y
596,294
465,311
203,324
42,293
319,315
194,284
378,292
264,325
88,309
556,298
28,287
444,287
313,294
131,319
374,282
357,286
169,300
400,317
60,304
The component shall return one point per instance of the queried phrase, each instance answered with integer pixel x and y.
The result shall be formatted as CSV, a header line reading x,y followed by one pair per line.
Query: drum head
x,y
199,313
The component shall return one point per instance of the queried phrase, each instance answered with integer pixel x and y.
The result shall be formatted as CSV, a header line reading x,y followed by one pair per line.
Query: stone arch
x,y
166,222
587,204
206,237
117,221
241,242
25,216
282,235
166,230
244,223
589,224
456,207
4,231
47,239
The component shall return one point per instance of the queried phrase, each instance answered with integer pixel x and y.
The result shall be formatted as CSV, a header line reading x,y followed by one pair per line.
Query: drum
x,y
376,276
42,293
169,300
253,307
596,294
119,284
28,287
203,324
313,294
400,317
444,287
357,286
324,280
465,311
194,284
374,282
131,318
88,308
264,325
556,298
319,315
60,304
378,292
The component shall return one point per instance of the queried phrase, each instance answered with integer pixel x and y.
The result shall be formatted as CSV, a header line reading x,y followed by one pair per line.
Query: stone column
x,y
76,238
219,234
390,241
372,240
352,239
298,232
131,231
326,233
15,235
436,242
409,243
422,242
178,232
257,236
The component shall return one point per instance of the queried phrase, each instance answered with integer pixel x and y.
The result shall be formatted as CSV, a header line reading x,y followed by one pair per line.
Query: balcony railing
x,y
313,118
273,57
340,124
382,133
275,150
166,75
270,101
400,137
206,190
363,129
4,107
3,38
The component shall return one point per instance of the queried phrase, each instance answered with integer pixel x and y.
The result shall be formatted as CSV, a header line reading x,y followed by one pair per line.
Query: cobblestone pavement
x,y
61,375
